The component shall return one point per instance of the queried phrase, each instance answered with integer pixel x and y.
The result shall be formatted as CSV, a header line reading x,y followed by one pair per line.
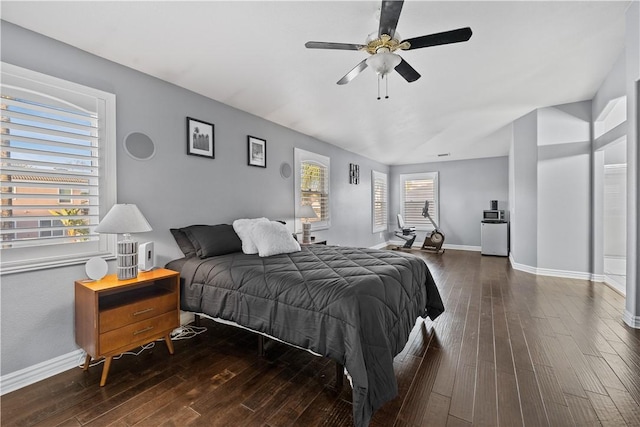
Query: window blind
x,y
49,179
416,189
379,198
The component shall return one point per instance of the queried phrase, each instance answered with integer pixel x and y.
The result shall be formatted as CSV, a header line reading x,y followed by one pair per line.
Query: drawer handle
x,y
146,310
142,331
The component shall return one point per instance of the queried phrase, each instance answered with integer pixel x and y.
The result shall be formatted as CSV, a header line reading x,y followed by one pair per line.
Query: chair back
x,y
400,222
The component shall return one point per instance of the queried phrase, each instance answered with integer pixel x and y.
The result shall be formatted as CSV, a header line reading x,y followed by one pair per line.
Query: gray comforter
x,y
356,306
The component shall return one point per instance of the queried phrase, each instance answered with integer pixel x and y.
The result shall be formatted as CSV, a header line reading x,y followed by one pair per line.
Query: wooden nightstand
x,y
113,316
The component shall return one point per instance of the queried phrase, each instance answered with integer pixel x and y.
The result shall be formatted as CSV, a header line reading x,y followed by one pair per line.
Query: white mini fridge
x,y
494,238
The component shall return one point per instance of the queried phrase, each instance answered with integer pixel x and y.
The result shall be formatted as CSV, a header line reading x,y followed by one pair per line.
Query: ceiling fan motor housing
x,y
375,43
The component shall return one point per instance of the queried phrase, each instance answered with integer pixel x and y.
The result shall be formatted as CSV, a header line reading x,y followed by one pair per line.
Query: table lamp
x,y
306,212
125,219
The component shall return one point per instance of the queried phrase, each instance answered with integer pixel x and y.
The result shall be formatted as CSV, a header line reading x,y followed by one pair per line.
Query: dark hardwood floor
x,y
512,349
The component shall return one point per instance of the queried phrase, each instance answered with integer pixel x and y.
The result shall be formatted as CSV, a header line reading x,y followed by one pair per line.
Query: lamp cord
x,y
182,333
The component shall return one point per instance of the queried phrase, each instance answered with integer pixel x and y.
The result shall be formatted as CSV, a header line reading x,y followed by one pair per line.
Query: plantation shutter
x,y
50,153
615,210
314,188
379,198
416,189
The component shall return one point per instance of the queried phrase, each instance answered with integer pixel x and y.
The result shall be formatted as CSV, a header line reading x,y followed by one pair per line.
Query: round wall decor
x,y
285,170
139,146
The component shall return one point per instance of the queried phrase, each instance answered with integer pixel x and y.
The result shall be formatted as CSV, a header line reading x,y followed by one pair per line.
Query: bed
x,y
356,306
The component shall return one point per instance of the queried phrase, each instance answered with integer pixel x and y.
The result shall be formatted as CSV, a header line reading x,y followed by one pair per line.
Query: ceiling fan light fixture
x,y
383,62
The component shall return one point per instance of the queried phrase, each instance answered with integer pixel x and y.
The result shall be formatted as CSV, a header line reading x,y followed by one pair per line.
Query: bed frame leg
x,y
196,320
260,345
339,376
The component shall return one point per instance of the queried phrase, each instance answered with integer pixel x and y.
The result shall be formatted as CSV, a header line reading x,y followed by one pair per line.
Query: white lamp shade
x,y
383,62
306,211
123,219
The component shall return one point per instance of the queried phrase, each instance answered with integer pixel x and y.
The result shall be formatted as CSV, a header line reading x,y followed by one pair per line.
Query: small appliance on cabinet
x,y
494,235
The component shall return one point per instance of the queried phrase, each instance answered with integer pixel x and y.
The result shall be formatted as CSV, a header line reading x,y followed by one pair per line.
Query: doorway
x,y
615,214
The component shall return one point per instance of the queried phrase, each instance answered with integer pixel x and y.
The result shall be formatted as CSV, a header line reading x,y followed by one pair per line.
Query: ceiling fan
x,y
382,45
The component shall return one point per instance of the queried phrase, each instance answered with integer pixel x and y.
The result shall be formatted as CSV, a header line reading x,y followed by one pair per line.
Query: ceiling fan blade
x,y
353,73
407,71
453,36
329,45
389,15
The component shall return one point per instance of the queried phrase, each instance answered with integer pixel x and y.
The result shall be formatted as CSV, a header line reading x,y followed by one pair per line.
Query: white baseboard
x,y
447,246
522,267
566,274
49,368
463,248
35,373
631,320
616,286
381,245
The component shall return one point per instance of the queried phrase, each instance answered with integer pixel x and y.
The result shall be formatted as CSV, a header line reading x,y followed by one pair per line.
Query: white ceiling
x,y
251,55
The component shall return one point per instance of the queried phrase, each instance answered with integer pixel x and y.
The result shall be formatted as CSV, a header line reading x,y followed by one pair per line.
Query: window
x,y
64,192
379,199
58,169
415,190
312,186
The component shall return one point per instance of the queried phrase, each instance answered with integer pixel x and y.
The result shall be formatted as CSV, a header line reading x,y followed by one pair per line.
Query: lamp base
x,y
127,267
306,232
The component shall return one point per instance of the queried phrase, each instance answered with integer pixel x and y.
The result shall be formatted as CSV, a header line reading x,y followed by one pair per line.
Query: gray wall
x,y
564,187
632,47
551,189
172,189
524,188
612,87
465,189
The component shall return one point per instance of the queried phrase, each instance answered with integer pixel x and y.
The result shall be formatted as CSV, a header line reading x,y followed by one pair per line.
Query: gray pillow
x,y
213,240
183,242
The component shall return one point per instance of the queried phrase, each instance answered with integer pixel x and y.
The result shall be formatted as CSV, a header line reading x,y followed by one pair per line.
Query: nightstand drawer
x,y
123,315
122,337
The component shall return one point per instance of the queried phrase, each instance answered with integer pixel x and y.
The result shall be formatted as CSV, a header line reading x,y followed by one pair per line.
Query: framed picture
x,y
257,151
200,138
354,173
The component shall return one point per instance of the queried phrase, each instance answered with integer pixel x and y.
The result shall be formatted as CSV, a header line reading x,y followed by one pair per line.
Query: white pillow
x,y
273,238
243,227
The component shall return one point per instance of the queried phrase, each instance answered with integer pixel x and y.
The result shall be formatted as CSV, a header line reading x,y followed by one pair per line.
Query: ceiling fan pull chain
x,y
378,79
386,82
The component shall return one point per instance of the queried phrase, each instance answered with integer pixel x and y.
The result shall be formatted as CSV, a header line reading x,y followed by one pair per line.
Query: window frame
x,y
375,177
300,156
426,225
30,258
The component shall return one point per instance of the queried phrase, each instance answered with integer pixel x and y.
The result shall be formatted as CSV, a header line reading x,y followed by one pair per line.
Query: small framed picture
x,y
257,150
200,138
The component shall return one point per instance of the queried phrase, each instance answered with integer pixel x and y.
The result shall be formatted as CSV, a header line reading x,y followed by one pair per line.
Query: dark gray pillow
x,y
183,242
213,240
